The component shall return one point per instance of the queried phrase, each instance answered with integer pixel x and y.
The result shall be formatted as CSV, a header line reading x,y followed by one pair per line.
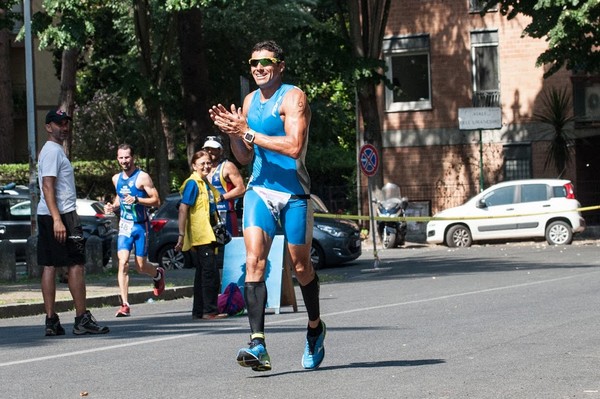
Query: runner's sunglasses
x,y
263,61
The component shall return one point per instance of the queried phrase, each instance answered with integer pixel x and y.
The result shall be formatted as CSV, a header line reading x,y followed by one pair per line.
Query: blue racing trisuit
x,y
134,222
226,208
279,186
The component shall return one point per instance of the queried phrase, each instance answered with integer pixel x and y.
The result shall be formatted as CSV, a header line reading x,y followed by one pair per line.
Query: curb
x,y
33,309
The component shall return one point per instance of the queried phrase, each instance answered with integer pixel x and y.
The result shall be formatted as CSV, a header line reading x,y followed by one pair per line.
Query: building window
x,y
586,99
408,69
517,161
486,81
477,6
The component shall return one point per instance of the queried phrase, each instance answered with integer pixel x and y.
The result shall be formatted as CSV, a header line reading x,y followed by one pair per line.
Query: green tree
x,y
366,22
71,25
180,73
570,26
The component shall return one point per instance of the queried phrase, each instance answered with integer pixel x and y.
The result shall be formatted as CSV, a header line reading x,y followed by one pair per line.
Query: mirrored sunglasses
x,y
263,61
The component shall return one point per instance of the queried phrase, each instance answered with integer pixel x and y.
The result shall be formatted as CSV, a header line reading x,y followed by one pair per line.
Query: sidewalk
x,y
25,299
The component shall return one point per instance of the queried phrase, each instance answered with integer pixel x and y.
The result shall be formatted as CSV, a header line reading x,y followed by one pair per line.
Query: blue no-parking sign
x,y
368,159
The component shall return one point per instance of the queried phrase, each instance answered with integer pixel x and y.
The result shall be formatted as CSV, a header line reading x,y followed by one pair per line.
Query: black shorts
x,y
52,253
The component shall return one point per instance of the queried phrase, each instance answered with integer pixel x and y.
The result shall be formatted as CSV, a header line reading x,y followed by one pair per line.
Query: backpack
x,y
231,301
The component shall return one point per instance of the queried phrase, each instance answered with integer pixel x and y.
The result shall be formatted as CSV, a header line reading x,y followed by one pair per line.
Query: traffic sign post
x,y
369,160
369,164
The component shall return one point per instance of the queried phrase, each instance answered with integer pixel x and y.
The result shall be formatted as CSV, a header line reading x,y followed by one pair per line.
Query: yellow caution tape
x,y
429,218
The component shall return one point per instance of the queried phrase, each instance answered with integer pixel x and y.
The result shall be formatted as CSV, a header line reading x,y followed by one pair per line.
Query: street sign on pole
x,y
479,118
368,159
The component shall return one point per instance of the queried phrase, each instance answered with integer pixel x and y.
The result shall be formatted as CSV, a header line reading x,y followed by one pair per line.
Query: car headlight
x,y
331,230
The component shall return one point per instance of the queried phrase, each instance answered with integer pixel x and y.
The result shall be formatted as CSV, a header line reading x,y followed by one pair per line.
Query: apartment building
x,y
443,56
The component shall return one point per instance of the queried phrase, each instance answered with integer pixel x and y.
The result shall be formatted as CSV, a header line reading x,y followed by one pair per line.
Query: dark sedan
x,y
335,241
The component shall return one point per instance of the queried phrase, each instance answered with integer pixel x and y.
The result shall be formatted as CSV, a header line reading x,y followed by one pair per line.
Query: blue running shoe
x,y
314,352
255,356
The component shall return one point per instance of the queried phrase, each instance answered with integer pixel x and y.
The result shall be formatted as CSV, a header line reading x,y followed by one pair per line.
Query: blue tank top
x,y
222,186
271,169
135,212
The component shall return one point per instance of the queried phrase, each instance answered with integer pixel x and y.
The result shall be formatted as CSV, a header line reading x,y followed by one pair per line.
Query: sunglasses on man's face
x,y
263,61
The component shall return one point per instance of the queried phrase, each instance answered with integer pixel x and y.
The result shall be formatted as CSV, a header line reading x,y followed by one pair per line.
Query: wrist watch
x,y
249,136
136,200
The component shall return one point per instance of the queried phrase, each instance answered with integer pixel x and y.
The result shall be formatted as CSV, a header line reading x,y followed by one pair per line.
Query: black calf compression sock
x,y
310,294
255,295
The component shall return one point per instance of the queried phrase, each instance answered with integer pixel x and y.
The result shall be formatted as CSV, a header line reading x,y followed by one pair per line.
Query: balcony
x,y
486,98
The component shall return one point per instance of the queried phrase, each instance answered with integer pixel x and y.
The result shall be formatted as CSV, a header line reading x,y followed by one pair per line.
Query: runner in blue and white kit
x,y
271,132
135,192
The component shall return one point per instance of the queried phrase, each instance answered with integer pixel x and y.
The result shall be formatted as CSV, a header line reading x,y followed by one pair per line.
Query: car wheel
x,y
559,233
169,259
317,256
459,236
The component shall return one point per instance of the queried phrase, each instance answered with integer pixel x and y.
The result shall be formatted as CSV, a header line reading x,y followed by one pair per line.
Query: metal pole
x,y
480,161
373,226
376,262
31,139
359,196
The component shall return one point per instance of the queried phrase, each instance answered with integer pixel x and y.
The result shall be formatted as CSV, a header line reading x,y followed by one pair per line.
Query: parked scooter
x,y
391,233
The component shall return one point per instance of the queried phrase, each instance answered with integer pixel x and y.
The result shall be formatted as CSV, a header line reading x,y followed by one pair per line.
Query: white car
x,y
527,209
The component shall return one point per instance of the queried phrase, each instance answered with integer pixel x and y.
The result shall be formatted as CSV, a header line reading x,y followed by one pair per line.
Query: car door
x,y
533,202
15,222
498,207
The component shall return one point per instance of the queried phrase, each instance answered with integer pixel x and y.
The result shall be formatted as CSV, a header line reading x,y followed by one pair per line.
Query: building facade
x,y
46,87
442,56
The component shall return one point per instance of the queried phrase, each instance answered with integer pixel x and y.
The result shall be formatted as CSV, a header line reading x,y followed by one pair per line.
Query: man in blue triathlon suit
x,y
271,133
135,193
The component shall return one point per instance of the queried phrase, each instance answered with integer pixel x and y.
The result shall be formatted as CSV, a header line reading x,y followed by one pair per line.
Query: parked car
x,y
15,220
163,235
520,209
335,241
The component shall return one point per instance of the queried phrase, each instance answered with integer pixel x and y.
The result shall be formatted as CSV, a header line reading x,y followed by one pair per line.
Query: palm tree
x,y
556,112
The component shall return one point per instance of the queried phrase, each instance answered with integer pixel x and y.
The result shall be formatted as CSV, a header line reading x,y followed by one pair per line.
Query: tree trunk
x,y
154,78
194,73
367,22
162,162
7,129
68,83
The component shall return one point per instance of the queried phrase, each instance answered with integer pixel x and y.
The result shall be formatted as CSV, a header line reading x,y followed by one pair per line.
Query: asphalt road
x,y
502,321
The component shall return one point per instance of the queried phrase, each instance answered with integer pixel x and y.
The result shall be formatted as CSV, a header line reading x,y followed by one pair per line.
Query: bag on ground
x,y
231,301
